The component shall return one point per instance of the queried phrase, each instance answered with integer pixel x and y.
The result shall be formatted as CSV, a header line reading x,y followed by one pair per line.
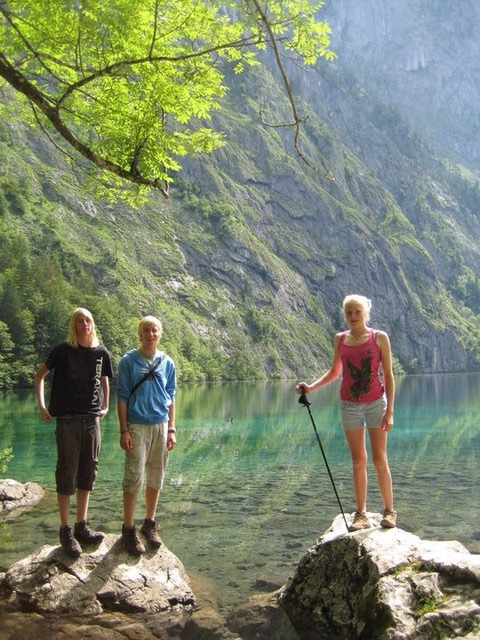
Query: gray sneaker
x,y
132,542
149,529
389,519
68,542
360,521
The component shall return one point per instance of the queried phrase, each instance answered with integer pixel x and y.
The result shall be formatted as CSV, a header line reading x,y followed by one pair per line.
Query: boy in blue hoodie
x,y
146,412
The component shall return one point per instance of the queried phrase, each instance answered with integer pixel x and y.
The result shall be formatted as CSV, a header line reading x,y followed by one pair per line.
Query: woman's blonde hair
x,y
72,334
364,302
149,321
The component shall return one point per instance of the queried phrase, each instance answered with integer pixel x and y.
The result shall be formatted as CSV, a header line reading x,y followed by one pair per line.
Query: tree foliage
x,y
132,86
5,456
37,296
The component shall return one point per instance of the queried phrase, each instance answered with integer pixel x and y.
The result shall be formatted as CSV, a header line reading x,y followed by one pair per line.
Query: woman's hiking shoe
x,y
83,533
132,542
68,542
149,529
389,519
360,521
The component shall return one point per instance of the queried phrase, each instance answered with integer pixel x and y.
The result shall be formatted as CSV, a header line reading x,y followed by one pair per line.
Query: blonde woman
x,y
367,398
78,400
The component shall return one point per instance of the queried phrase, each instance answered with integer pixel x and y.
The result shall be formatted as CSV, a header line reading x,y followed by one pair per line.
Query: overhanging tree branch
x,y
18,82
110,69
297,120
101,79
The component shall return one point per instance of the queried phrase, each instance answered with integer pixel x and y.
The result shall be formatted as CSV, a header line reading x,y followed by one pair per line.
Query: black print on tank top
x,y
361,377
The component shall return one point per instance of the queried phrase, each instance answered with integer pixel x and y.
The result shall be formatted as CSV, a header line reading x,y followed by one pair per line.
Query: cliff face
x,y
419,58
395,117
254,253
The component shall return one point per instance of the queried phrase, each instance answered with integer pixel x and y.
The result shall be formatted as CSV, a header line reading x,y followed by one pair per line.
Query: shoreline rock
x,y
15,497
375,584
104,594
383,583
105,579
380,584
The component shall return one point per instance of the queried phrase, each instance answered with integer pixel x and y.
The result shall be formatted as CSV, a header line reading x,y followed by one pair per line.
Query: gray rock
x,y
105,579
105,594
375,584
16,497
383,584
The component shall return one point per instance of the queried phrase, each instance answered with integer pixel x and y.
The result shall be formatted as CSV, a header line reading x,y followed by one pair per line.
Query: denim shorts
x,y
78,446
149,457
358,415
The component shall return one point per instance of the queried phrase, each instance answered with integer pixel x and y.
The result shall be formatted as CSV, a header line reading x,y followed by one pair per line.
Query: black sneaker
x,y
83,533
149,529
132,542
68,542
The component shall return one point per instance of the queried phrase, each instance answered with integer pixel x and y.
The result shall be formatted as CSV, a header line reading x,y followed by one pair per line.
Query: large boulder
x,y
16,497
104,594
375,584
383,584
105,579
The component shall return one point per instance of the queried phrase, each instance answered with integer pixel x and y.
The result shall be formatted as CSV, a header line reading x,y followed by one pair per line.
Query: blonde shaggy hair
x,y
364,302
72,334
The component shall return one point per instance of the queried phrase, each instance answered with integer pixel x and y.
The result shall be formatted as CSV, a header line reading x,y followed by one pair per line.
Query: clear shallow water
x,y
247,492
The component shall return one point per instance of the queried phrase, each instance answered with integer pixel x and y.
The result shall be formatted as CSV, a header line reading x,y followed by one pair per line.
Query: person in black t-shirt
x,y
78,400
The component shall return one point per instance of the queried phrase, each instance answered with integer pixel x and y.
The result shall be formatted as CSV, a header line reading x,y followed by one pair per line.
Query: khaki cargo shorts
x,y
148,458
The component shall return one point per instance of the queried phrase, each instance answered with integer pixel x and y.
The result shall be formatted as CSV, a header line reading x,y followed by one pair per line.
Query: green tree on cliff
x,y
131,86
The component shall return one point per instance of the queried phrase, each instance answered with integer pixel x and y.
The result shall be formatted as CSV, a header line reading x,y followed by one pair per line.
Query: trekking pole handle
x,y
303,398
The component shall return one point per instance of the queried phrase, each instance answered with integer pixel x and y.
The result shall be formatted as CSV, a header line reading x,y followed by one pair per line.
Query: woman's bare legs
x,y
358,450
378,443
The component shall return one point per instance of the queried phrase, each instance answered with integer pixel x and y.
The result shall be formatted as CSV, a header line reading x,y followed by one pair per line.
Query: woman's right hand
x,y
302,387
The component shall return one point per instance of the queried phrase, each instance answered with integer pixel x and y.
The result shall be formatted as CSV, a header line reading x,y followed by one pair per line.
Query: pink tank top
x,y
361,378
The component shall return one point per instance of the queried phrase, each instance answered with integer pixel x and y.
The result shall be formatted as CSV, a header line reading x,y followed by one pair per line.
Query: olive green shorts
x,y
78,445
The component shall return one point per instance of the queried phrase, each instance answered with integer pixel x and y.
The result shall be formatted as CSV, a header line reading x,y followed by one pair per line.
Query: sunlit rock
x,y
104,594
105,578
383,583
375,584
380,584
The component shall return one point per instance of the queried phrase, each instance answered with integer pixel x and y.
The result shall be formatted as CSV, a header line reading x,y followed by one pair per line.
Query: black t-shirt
x,y
76,387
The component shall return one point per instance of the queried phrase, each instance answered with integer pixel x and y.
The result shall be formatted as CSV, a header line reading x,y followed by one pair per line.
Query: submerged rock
x,y
260,617
16,497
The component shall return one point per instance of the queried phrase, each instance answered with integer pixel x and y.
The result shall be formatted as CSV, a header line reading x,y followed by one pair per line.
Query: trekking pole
x,y
305,402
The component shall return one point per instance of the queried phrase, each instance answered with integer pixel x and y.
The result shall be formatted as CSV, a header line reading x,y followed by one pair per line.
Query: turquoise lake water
x,y
247,492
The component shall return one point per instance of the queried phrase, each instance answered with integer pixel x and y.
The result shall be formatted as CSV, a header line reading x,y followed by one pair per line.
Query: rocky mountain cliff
x,y
249,261
419,59
400,222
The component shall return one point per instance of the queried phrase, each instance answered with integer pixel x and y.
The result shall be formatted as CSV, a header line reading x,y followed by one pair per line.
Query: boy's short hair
x,y
149,321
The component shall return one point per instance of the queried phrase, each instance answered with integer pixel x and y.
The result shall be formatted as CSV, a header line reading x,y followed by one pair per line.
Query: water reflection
x,y
247,492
